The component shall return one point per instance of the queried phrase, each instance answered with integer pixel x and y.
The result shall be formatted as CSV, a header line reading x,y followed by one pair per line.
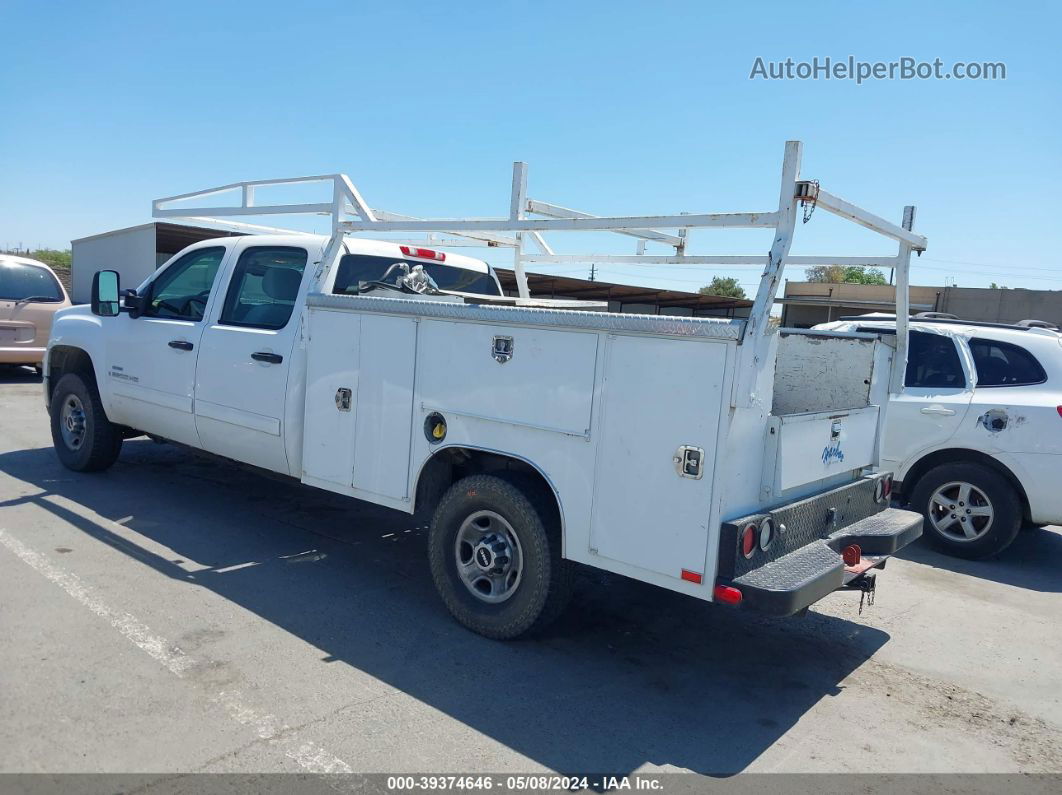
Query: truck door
x,y
150,367
936,395
242,372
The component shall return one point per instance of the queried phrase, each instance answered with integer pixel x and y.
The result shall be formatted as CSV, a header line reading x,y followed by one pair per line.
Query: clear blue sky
x,y
619,108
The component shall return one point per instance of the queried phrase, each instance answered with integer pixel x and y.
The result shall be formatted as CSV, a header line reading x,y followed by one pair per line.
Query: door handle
x,y
181,345
270,358
938,411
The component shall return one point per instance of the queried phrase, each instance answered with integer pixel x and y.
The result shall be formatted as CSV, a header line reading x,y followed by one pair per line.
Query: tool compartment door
x,y
658,395
819,445
332,365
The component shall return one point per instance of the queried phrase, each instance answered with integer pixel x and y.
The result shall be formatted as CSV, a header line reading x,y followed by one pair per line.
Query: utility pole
x,y
593,271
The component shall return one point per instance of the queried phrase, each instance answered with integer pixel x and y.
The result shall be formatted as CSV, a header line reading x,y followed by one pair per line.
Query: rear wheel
x,y
970,510
494,548
84,439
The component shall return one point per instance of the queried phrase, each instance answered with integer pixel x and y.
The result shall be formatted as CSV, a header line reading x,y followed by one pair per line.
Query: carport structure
x,y
628,298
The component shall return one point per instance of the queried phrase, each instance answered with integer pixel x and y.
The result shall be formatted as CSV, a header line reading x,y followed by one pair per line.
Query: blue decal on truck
x,y
832,452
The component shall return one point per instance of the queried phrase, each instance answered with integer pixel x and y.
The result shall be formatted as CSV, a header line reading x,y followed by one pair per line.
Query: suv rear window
x,y
354,268
1003,364
19,281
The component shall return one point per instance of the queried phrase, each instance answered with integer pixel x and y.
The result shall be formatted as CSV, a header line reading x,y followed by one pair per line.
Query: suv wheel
x,y
970,510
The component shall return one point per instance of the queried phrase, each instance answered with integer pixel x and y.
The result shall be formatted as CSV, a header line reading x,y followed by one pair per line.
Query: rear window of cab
x,y
356,268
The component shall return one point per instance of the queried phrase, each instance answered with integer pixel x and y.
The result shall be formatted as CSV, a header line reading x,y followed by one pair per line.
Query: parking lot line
x,y
307,754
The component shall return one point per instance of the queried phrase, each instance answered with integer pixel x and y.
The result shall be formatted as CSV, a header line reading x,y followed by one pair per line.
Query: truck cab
x,y
203,353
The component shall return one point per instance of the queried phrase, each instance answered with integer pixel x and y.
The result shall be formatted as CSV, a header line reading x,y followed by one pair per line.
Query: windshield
x,y
19,281
354,268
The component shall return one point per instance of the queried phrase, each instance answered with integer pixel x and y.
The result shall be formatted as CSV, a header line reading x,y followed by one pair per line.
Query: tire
x,y
992,510
84,439
534,583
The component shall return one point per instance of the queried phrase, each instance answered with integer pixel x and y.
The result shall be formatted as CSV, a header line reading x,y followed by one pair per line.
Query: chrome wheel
x,y
960,511
488,556
72,422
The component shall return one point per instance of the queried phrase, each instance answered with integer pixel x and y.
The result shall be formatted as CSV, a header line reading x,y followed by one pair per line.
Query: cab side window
x,y
933,361
181,291
1003,364
264,286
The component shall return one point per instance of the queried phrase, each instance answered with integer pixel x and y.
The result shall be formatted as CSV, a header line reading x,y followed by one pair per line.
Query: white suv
x,y
975,439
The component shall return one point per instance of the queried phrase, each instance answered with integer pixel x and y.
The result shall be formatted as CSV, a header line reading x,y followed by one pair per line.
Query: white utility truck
x,y
718,458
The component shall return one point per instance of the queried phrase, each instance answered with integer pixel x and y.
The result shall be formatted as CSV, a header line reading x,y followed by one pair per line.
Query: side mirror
x,y
105,294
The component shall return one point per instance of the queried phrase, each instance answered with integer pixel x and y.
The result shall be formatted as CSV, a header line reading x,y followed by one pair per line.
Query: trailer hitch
x,y
867,585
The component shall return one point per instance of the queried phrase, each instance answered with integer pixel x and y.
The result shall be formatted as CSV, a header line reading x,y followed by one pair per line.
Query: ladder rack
x,y
529,220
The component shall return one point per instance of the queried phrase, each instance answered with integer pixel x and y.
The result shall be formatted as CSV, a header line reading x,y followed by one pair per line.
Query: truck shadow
x,y
1032,561
631,675
18,374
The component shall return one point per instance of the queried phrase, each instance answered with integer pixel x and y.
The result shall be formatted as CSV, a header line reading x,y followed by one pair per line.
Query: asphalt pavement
x,y
179,613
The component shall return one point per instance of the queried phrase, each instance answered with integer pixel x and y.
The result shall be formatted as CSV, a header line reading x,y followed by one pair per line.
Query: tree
x,y
725,286
53,257
839,274
994,286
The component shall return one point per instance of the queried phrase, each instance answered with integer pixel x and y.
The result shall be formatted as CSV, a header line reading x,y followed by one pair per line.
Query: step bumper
x,y
793,582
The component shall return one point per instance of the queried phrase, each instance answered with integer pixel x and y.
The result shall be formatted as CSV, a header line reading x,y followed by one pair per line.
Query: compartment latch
x,y
501,348
689,461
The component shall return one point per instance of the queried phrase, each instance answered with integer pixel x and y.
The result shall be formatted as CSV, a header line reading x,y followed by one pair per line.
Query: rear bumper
x,y
799,579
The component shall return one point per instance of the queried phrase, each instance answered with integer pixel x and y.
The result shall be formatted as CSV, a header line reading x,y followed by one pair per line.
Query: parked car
x,y
975,438
30,295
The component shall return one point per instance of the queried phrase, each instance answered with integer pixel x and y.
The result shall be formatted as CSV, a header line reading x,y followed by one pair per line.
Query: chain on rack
x,y
808,203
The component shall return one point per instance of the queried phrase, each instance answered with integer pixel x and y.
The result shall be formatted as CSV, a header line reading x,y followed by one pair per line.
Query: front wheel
x,y
494,550
84,439
971,511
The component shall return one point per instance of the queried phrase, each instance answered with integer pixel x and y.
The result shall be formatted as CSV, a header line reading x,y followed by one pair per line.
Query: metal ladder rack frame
x,y
351,214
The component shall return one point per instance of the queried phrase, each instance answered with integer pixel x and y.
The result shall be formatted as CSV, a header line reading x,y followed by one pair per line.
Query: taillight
x,y
748,540
727,594
883,488
424,253
1060,411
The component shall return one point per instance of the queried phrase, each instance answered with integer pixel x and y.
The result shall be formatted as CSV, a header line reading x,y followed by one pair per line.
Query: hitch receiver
x,y
866,584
